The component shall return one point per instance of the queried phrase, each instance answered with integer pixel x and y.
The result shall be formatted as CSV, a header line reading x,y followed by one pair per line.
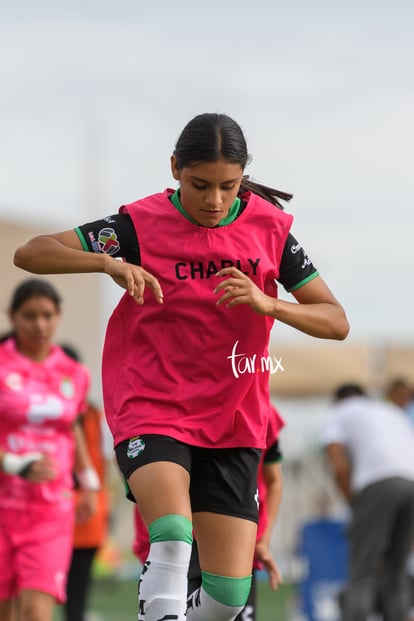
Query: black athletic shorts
x,y
221,480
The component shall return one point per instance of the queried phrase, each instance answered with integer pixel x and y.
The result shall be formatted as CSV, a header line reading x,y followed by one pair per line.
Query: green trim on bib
x,y
231,216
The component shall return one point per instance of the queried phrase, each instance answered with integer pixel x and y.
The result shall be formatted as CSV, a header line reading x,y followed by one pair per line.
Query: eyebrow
x,y
205,180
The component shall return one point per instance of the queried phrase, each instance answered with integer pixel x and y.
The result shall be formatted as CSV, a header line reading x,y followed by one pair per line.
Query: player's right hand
x,y
134,279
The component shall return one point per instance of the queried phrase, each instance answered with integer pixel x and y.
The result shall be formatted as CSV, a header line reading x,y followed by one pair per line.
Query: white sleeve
x,y
334,430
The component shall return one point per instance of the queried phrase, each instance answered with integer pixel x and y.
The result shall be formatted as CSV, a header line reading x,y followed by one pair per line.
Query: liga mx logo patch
x,y
108,241
135,447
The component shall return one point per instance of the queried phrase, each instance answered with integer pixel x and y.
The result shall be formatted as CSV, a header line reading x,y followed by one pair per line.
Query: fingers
x,y
231,271
134,279
235,299
233,291
43,469
232,287
237,287
235,278
152,282
86,506
275,577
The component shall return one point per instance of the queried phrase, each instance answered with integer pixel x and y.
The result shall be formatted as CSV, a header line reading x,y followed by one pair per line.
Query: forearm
x,y
273,499
85,472
47,255
343,481
62,253
324,320
82,458
341,467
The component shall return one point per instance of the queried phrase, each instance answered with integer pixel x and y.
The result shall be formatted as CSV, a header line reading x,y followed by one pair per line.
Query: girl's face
x,y
34,324
208,190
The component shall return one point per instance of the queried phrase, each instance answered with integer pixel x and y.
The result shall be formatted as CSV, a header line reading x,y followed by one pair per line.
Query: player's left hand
x,y
87,505
238,288
265,557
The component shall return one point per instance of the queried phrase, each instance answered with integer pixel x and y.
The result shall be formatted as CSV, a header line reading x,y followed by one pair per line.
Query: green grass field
x,y
116,600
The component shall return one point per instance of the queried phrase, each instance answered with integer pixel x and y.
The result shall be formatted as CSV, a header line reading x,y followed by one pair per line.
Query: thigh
x,y
7,563
402,536
156,470
370,528
225,481
43,556
7,609
225,543
225,509
161,488
34,604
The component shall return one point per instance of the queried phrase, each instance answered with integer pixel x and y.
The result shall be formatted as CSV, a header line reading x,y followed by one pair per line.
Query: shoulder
x,y
266,207
69,365
7,350
335,425
152,201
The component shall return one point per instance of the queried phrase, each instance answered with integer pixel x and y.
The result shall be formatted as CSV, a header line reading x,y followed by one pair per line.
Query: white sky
x,y
95,93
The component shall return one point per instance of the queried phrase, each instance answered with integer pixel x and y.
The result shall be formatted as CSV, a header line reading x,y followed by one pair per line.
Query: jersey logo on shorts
x,y
135,447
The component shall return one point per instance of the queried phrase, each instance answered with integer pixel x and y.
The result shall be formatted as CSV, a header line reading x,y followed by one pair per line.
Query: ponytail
x,y
269,194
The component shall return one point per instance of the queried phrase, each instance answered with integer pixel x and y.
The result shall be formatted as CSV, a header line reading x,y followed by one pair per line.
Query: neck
x,y
37,354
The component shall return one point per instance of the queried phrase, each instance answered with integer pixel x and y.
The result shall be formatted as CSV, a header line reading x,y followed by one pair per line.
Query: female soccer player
x,y
186,363
42,391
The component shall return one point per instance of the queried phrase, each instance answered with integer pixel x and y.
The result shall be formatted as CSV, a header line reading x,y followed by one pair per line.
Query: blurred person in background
x,y
42,392
90,533
370,446
399,392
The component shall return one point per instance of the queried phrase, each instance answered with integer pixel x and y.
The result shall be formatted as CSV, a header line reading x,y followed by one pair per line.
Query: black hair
x,y
31,288
6,335
397,384
71,351
348,390
211,136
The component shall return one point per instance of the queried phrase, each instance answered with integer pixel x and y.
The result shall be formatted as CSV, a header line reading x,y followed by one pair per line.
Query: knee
x,y
171,527
170,538
227,590
220,598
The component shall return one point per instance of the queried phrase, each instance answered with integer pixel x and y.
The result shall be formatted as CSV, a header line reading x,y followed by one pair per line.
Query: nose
x,y
214,198
40,325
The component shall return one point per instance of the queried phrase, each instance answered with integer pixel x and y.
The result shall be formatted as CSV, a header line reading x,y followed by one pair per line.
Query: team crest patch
x,y
67,389
135,447
14,381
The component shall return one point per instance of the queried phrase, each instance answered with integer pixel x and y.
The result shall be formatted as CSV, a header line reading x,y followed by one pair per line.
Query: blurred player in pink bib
x,y
42,392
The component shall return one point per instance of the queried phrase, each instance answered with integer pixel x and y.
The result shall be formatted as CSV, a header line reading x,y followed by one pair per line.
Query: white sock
x,y
202,607
162,588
